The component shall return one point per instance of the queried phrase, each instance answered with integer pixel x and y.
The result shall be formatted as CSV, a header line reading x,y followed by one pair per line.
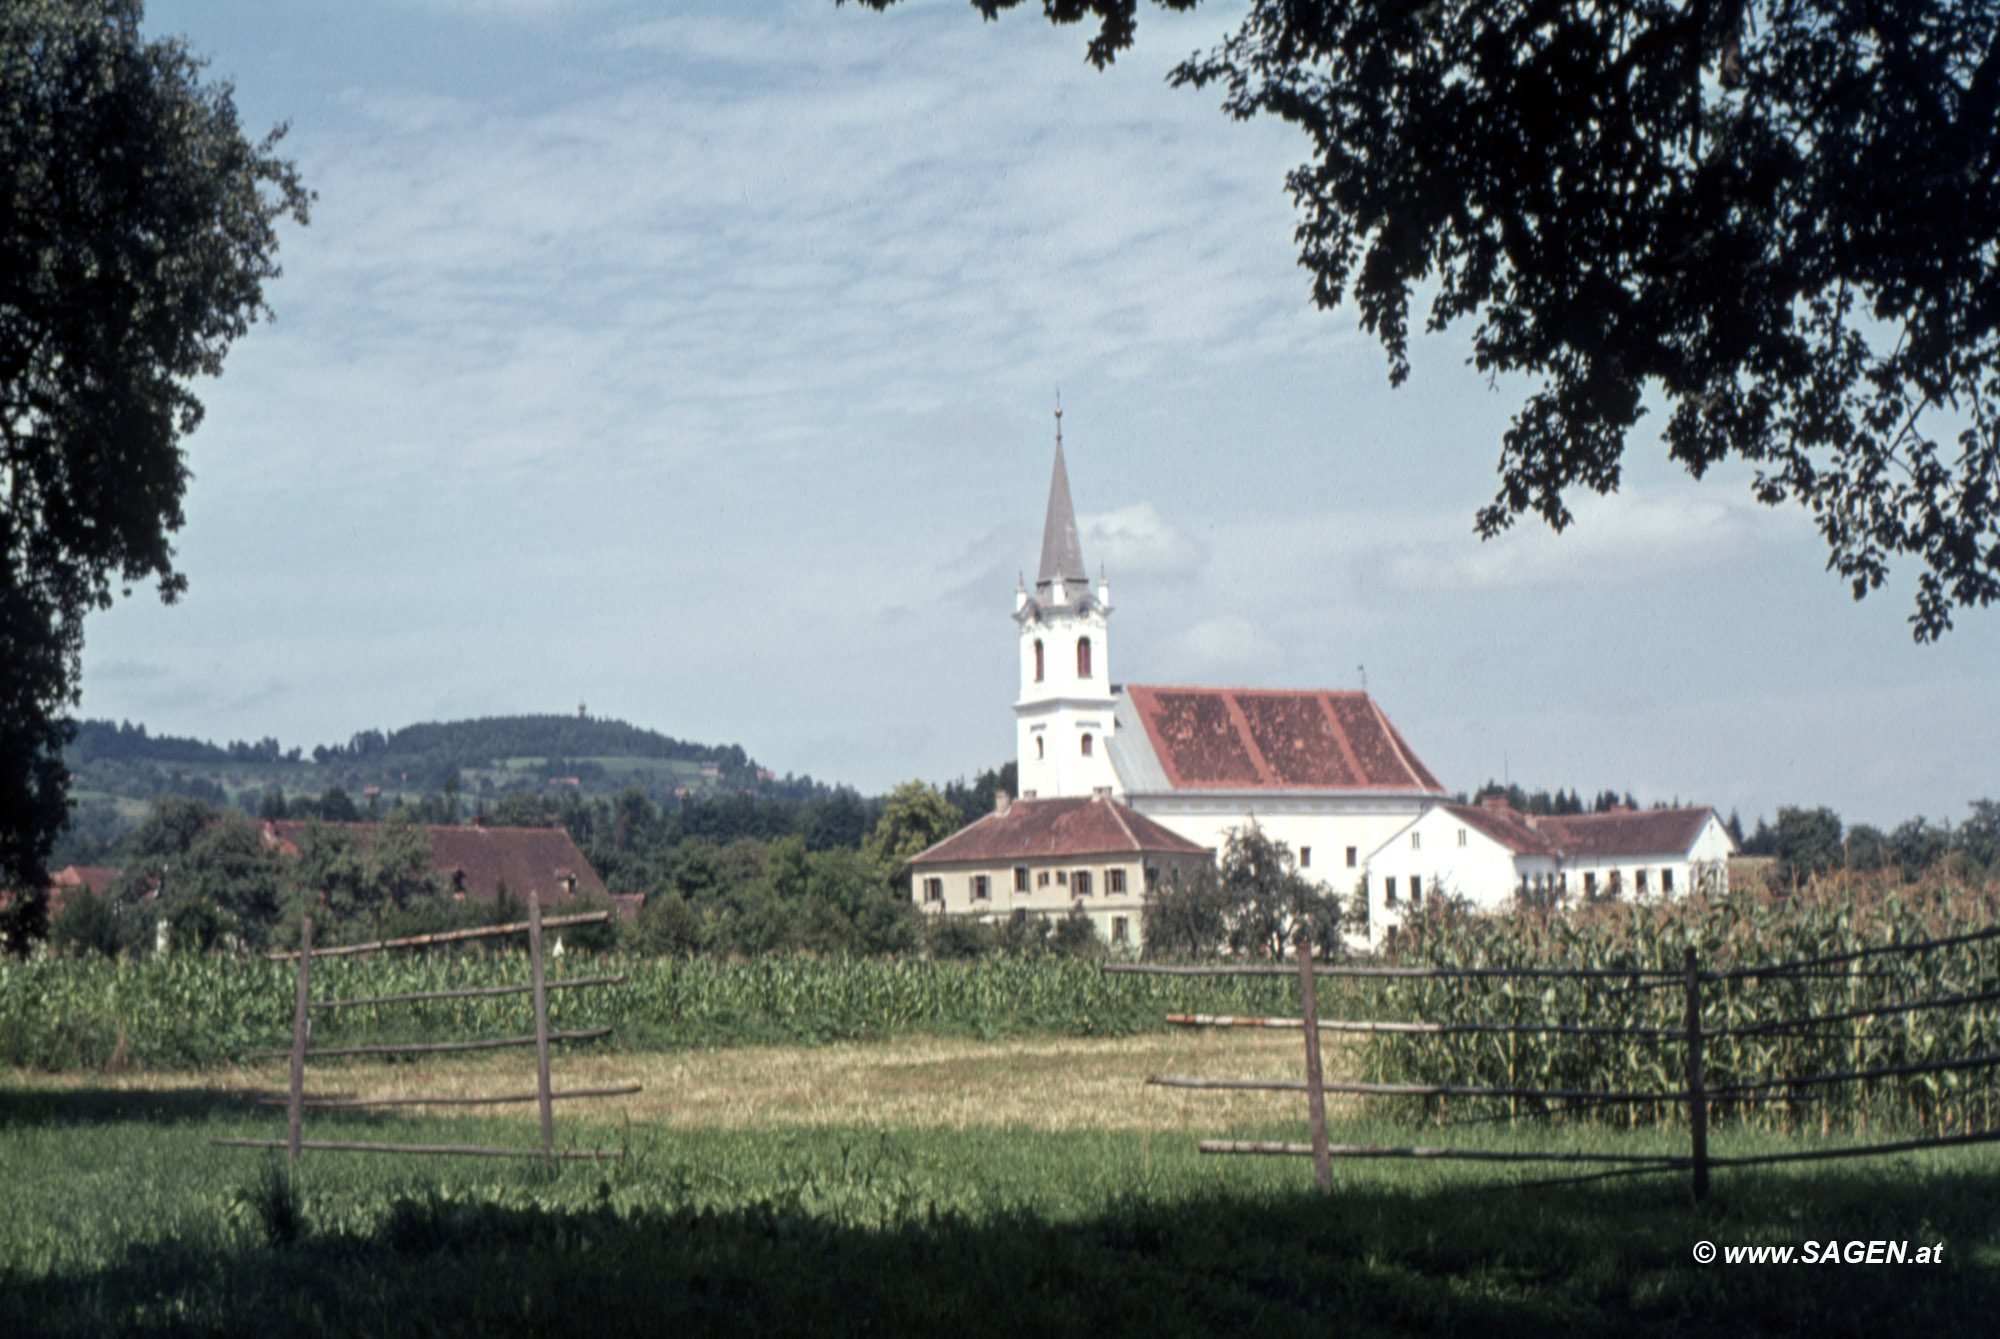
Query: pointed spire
x,y
1062,552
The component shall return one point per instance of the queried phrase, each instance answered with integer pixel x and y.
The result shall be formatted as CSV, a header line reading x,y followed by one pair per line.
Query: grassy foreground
x,y
1024,1186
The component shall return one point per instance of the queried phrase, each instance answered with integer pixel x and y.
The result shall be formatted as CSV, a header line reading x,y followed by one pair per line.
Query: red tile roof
x,y
1040,829
1625,832
476,860
1276,739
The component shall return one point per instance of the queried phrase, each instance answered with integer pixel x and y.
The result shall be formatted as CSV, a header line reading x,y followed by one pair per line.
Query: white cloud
x,y
1218,650
1137,539
1631,536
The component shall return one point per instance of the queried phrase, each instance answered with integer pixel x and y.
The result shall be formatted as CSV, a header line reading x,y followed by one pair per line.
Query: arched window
x,y
1086,746
1038,660
1083,657
1038,746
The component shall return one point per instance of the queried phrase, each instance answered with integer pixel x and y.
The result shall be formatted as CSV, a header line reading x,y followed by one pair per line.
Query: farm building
x,y
1490,854
1322,770
475,860
1041,857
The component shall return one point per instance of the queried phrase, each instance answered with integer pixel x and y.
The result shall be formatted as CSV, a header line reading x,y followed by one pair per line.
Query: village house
x,y
1043,857
474,861
1490,855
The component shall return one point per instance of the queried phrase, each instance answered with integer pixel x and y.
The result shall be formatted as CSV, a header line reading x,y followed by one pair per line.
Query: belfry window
x,y
1038,660
1083,657
1086,746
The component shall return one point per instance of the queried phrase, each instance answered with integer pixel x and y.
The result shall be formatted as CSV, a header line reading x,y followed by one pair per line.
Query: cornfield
x,y
1726,936
180,1012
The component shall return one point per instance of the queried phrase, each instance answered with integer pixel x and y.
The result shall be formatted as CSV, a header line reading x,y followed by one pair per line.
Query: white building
x,y
1490,854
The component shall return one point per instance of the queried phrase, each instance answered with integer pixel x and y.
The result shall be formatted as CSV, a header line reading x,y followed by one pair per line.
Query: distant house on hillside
x,y
474,861
1043,857
1491,854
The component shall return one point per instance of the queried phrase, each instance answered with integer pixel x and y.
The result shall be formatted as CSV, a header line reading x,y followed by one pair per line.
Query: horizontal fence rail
x,y
1427,1029
447,936
469,992
401,1047
454,1150
556,1095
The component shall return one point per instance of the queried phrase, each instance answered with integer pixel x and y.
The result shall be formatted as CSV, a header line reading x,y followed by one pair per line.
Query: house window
x,y
1667,881
1114,881
1353,856
1416,841
1616,881
1020,878
1305,857
933,890
1589,884
1461,836
1086,746
1041,878
1417,890
981,889
1079,883
1062,877
1152,878
1083,657
1639,882
1389,890
1038,660
1120,931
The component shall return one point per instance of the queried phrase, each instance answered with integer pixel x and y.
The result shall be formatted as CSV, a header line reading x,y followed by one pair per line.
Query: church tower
x,y
1063,714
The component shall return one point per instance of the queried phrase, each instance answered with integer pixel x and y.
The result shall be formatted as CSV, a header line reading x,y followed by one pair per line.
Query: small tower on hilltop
x,y
1063,714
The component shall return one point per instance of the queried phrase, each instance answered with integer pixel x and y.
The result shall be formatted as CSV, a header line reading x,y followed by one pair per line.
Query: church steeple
x,y
1064,716
1062,552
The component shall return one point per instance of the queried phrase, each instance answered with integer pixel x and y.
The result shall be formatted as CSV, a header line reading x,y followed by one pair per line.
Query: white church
x,y
1121,784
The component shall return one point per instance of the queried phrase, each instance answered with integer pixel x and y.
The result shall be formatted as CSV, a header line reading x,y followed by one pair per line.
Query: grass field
x,y
920,1185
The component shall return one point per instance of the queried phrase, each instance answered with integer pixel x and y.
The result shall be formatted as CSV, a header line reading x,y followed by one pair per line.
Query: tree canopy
x,y
1777,216
137,230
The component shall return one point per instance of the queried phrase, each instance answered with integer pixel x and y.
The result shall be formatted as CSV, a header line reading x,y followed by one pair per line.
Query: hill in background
x,y
122,766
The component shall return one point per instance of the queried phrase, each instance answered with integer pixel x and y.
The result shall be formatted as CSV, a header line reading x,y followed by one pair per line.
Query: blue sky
x,y
696,362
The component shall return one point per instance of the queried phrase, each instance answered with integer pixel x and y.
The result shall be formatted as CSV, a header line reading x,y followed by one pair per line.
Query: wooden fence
x,y
1696,1095
538,986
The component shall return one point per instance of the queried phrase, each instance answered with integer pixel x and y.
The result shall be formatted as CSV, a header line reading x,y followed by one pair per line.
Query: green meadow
x,y
923,1185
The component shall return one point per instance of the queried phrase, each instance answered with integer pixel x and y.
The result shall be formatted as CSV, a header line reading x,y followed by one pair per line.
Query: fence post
x,y
541,1024
1697,1089
301,1028
1315,1081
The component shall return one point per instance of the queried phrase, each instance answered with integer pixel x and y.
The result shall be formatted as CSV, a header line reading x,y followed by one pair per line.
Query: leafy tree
x,y
668,927
916,816
1806,843
1979,835
1915,846
137,230
1075,936
1867,847
87,926
1187,917
1775,215
1269,902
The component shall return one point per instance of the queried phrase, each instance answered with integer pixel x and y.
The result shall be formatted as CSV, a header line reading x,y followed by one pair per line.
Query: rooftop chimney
x,y
1002,802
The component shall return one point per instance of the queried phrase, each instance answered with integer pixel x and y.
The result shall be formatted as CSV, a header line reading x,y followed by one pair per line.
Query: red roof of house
x,y
1623,832
531,861
96,879
1276,739
1076,826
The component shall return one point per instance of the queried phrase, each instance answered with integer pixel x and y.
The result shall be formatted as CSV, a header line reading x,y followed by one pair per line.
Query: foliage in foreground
x,y
126,1221
1837,918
